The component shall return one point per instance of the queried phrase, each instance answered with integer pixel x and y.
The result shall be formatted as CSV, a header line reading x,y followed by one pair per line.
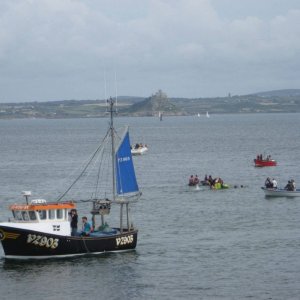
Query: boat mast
x,y
112,133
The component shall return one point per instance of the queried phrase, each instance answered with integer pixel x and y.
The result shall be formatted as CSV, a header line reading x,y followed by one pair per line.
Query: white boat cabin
x,y
41,216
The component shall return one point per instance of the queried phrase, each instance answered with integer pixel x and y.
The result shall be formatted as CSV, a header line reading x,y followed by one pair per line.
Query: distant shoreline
x,y
283,101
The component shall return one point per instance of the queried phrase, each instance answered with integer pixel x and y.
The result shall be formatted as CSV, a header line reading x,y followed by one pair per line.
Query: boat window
x,y
25,215
32,215
17,215
51,214
42,214
59,213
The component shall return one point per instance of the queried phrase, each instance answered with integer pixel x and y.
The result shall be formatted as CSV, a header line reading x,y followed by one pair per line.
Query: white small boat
x,y
139,150
279,192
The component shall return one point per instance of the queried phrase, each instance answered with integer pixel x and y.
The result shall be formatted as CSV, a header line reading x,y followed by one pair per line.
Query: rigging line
x,y
90,173
87,176
90,200
99,172
88,163
97,167
86,248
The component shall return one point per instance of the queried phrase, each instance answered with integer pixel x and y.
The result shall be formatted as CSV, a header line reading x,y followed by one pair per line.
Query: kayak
x,y
219,186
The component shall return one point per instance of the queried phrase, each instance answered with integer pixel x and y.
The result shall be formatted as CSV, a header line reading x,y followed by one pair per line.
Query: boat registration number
x,y
124,240
42,241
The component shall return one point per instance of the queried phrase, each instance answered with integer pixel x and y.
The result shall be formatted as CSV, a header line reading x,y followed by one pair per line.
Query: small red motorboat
x,y
259,161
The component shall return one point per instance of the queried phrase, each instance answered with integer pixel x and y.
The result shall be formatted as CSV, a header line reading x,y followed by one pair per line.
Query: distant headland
x,y
279,101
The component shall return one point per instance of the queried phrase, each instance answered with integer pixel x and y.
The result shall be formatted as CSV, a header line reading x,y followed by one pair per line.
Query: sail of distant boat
x,y
160,114
207,114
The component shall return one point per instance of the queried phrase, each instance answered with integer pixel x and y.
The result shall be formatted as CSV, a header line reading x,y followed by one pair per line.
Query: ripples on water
x,y
231,244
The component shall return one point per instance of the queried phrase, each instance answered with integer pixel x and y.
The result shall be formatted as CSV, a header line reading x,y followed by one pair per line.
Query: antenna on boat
x,y
116,88
105,97
26,194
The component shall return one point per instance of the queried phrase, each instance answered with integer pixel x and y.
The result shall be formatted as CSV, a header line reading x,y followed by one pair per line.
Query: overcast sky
x,y
72,49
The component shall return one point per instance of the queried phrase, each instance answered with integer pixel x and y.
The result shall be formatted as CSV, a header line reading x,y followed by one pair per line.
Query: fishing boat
x,y
40,229
279,192
139,149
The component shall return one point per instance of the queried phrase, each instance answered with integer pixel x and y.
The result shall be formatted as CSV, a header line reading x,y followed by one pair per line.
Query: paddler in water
x,y
191,180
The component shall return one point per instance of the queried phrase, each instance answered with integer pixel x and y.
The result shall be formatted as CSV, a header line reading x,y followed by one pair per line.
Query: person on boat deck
x,y
261,157
196,180
86,227
274,183
74,221
268,183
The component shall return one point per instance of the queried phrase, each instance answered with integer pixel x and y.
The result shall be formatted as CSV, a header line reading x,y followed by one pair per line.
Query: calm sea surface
x,y
231,244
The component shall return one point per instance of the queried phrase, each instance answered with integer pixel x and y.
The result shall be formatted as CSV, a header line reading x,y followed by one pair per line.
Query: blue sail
x,y
125,175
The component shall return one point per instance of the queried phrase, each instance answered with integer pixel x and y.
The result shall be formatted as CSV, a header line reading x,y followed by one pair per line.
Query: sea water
x,y
192,244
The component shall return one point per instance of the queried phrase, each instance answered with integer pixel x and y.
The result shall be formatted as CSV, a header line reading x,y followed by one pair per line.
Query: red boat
x,y
265,162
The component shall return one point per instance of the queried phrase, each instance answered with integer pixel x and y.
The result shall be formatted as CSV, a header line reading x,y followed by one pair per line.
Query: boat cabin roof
x,y
38,204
